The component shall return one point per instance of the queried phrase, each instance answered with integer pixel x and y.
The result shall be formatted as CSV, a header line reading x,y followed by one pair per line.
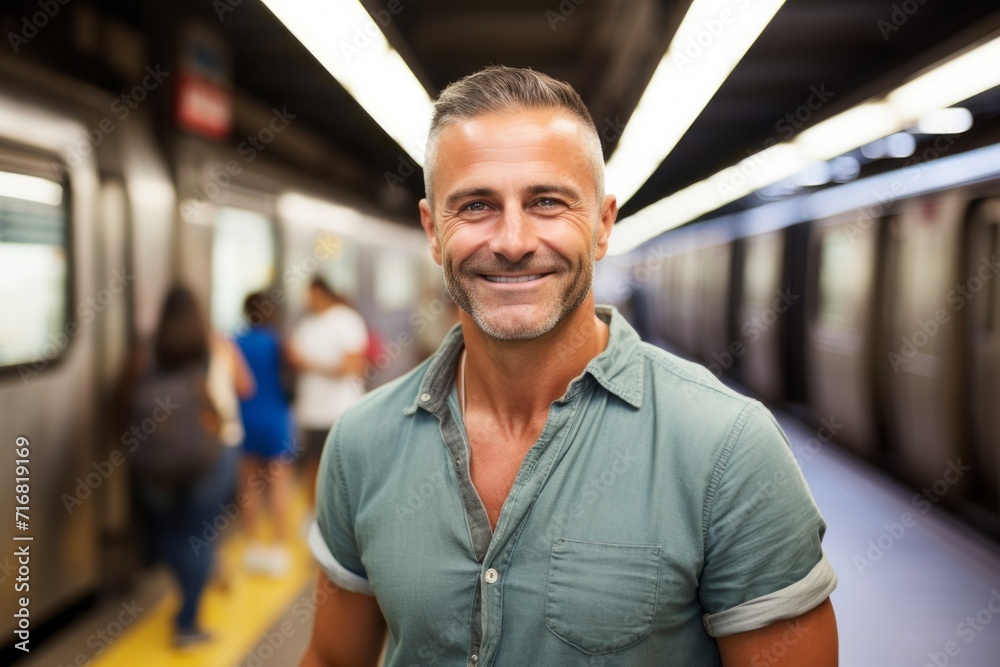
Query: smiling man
x,y
547,489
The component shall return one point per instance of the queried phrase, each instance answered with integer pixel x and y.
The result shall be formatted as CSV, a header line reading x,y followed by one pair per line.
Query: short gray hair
x,y
497,89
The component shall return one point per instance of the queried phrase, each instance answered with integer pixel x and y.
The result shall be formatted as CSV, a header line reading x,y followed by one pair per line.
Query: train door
x,y
49,299
757,327
839,331
686,298
712,301
919,360
983,346
667,296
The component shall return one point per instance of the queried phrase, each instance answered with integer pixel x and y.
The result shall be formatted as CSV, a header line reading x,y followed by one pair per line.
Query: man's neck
x,y
518,380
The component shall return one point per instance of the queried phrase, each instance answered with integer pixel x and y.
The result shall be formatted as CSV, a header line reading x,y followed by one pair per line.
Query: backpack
x,y
178,427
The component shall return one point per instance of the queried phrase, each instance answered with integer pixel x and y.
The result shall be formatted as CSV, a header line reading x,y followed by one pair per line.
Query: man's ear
x,y
427,222
609,213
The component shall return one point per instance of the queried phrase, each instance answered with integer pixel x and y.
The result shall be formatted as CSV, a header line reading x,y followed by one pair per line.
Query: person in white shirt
x,y
327,349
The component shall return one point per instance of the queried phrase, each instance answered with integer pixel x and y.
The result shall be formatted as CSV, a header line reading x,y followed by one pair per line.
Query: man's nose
x,y
515,235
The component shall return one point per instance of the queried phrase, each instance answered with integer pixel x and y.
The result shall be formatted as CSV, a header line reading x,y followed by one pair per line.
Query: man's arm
x,y
348,629
809,640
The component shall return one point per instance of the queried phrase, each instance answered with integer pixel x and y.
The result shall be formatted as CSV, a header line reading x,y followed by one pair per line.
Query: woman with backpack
x,y
185,465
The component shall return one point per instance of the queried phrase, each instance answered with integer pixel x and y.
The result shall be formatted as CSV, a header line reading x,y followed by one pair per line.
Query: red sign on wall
x,y
203,106
204,97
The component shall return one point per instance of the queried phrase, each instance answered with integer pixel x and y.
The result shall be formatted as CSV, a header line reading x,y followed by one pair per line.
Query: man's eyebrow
x,y
548,188
537,189
454,197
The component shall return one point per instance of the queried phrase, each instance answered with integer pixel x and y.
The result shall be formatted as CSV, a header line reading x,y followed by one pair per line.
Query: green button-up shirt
x,y
657,510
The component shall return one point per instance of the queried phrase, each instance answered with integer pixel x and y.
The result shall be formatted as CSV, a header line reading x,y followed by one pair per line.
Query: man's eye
x,y
548,202
475,206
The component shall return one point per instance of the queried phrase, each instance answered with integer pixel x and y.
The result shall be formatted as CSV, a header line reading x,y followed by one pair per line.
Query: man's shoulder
x,y
694,399
385,407
690,405
671,372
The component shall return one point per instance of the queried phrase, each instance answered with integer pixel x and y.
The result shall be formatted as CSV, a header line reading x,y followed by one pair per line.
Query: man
x,y
546,489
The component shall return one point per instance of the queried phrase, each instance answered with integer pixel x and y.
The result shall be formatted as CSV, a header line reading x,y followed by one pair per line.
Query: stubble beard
x,y
460,283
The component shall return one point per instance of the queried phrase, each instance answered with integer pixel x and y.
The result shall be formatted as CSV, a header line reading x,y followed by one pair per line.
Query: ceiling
x,y
607,49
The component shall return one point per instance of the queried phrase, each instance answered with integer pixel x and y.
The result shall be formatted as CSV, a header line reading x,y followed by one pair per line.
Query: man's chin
x,y
507,324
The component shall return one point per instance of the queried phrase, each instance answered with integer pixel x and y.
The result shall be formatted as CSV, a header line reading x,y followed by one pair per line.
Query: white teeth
x,y
512,279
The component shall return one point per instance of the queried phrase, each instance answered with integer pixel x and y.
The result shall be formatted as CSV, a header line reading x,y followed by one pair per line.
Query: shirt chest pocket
x,y
601,597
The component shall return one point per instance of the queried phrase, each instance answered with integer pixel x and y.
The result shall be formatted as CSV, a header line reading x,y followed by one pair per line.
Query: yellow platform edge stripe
x,y
238,614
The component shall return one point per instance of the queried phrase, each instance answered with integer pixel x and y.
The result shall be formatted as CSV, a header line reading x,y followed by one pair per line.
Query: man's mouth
x,y
513,279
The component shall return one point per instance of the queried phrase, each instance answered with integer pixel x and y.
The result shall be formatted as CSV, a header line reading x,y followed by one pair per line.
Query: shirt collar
x,y
617,368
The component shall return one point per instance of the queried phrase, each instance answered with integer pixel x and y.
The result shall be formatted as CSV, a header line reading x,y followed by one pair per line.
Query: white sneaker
x,y
256,557
277,560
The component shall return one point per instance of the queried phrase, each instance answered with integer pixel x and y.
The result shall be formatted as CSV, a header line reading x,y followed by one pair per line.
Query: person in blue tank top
x,y
267,447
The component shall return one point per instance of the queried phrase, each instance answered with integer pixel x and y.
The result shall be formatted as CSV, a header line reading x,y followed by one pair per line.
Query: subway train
x,y
870,307
97,221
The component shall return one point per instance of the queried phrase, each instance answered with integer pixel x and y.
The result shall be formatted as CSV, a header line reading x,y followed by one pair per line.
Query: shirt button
x,y
474,659
425,397
491,576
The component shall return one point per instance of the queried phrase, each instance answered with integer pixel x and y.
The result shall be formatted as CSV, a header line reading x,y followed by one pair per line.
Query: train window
x,y
762,267
341,270
243,250
396,282
839,276
34,269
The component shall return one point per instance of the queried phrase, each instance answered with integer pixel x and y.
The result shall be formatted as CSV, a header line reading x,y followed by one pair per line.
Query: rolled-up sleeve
x,y
331,537
764,560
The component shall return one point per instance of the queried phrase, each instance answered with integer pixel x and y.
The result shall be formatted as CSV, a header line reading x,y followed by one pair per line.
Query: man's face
x,y
516,222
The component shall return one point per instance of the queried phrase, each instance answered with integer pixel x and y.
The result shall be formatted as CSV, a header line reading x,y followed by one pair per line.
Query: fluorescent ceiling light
x,y
845,168
900,144
965,76
710,42
351,46
855,127
764,168
670,212
749,175
30,188
949,83
945,121
815,174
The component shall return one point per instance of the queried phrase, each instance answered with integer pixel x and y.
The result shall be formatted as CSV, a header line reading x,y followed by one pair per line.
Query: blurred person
x,y
327,349
547,489
188,383
229,381
267,446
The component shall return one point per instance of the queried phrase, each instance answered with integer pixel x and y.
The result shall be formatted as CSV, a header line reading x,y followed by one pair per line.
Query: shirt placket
x,y
493,551
475,513
535,470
